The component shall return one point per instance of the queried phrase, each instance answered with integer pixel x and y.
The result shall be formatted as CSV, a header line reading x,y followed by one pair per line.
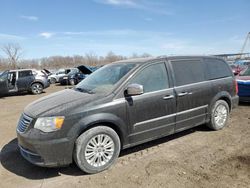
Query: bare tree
x,y
91,59
13,51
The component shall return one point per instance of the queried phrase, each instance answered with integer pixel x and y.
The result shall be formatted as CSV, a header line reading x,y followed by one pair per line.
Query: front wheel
x,y
219,115
97,149
52,80
36,88
72,82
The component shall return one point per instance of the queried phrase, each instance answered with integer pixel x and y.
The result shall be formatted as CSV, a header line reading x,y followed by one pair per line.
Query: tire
x,y
36,88
52,80
98,158
72,82
219,115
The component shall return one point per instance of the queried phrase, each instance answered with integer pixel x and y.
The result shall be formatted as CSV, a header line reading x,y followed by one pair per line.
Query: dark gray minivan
x,y
124,104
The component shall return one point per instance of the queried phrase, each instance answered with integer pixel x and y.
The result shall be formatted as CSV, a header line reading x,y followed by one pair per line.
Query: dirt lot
x,y
194,158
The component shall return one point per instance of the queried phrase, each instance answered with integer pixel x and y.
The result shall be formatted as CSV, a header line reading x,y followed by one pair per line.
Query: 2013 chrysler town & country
x,y
124,104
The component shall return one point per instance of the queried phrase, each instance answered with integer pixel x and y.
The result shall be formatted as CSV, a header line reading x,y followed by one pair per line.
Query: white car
x,y
54,78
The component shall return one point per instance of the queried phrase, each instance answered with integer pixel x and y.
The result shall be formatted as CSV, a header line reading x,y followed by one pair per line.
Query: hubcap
x,y
99,150
37,88
220,115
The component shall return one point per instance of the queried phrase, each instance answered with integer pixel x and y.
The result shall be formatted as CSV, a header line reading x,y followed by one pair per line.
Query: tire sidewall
x,y
215,106
82,141
52,80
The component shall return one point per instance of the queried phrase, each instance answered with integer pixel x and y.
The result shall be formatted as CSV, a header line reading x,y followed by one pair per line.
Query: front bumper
x,y
39,150
64,81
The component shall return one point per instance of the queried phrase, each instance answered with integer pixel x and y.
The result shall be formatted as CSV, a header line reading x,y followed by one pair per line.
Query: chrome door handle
x,y
168,97
184,93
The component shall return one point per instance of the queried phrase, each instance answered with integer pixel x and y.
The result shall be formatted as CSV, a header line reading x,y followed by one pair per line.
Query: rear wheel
x,y
219,115
36,88
97,149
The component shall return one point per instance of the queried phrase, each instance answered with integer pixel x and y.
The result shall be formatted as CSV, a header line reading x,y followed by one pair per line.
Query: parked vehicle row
x,y
35,81
124,104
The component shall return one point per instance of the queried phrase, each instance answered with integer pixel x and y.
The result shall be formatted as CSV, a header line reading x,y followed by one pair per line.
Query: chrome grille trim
x,y
23,123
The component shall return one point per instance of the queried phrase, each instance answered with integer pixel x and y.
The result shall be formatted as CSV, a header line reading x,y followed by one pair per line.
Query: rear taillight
x,y
236,87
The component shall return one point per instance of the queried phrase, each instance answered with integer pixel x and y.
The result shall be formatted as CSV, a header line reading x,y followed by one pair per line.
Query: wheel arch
x,y
221,96
104,119
38,82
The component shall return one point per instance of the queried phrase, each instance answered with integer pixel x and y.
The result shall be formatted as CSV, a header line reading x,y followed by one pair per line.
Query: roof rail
x,y
162,56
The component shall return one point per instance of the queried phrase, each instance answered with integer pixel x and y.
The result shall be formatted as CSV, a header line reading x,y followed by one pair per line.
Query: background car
x,y
243,81
54,78
13,81
237,68
76,75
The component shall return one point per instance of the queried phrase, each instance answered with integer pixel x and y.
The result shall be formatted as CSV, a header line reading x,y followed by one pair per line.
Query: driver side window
x,y
152,78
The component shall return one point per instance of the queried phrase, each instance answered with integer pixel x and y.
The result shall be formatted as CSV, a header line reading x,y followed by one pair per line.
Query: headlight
x,y
49,124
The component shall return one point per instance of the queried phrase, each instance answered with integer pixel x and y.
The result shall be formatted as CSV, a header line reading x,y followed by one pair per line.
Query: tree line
x,y
12,59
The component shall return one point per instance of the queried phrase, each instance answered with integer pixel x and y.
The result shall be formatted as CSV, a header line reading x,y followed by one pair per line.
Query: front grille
x,y
23,123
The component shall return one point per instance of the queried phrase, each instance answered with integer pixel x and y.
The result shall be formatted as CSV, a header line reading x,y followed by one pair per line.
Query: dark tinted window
x,y
153,78
188,71
216,68
24,73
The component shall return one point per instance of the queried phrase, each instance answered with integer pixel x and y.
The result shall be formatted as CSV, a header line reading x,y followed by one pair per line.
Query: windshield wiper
x,y
84,90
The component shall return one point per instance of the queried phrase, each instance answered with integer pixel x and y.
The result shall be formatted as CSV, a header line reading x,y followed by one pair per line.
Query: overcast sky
x,y
159,27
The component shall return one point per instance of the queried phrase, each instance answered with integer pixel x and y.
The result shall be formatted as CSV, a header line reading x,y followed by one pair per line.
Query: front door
x,y
4,83
151,114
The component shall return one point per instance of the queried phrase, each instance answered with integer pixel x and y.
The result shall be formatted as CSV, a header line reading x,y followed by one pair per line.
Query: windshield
x,y
104,79
4,75
73,71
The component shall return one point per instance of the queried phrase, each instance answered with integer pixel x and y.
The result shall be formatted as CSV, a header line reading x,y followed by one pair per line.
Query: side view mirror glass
x,y
134,89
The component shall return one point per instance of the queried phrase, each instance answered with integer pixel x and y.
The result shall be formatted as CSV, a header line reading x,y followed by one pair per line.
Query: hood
x,y
59,103
84,69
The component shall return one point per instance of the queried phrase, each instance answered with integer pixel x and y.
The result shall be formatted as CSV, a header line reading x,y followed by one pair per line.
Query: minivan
x,y
124,104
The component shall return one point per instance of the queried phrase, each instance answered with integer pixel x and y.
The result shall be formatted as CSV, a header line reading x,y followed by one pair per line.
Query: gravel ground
x,y
197,157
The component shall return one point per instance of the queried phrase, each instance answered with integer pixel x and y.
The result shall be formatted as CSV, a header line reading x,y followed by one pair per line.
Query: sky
x,y
159,27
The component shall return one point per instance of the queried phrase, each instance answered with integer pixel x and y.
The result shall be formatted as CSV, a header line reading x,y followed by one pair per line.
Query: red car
x,y
237,68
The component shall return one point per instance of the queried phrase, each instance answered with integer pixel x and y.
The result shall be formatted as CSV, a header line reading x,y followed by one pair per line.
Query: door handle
x,y
184,93
168,97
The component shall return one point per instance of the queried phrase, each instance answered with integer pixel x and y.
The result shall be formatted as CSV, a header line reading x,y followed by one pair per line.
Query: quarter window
x,y
217,69
188,72
153,78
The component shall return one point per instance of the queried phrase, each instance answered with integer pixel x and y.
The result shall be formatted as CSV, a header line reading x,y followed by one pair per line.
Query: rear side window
x,y
188,71
25,73
216,68
153,78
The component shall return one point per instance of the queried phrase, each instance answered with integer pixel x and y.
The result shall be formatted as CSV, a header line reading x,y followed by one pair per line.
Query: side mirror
x,y
134,89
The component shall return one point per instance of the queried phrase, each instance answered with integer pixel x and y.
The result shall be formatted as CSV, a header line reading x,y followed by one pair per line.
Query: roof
x,y
23,70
